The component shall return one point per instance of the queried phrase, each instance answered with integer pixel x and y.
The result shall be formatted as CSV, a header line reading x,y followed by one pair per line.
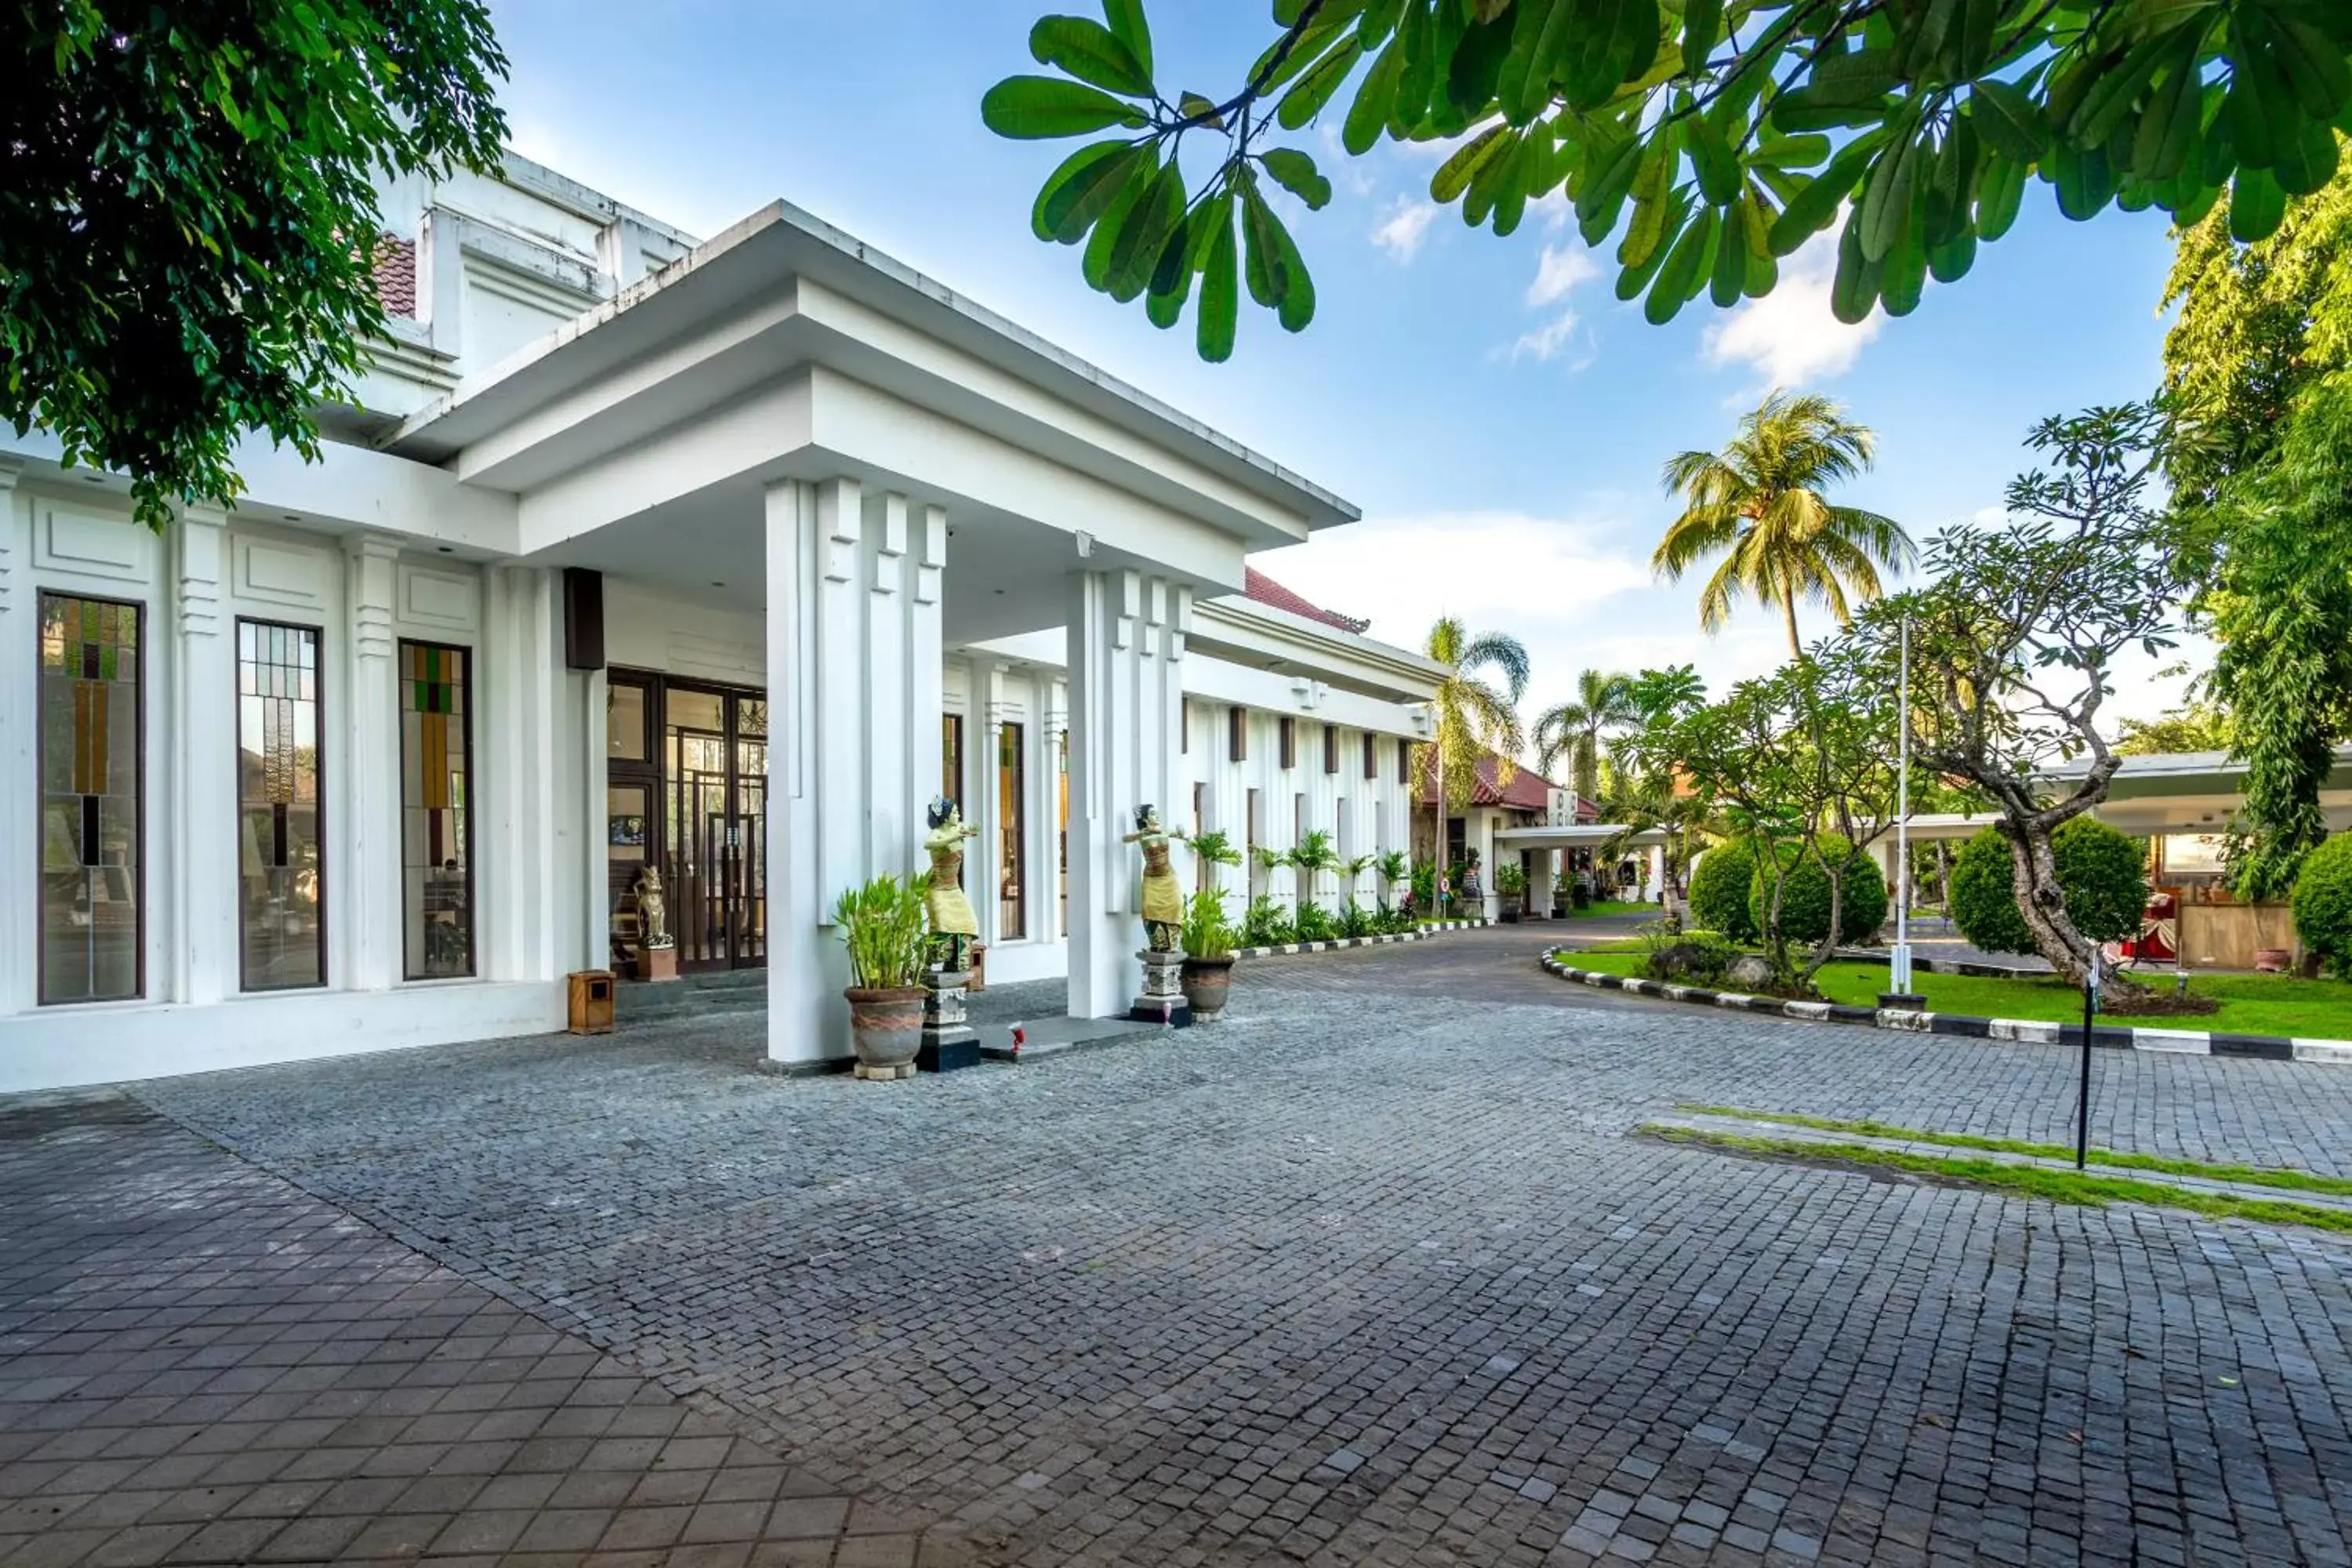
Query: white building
x,y
726,557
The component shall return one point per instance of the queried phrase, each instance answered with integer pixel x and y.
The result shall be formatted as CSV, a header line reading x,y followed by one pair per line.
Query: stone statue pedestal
x,y
949,1042
1162,1001
659,963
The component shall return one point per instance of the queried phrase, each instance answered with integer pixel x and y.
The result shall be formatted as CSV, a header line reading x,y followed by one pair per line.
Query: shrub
x,y
1805,893
1315,923
1718,890
1207,932
1356,919
1264,924
2323,903
2102,874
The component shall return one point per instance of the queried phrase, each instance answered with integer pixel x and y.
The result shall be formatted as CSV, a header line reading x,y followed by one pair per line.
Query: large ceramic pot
x,y
1510,908
886,1026
1207,982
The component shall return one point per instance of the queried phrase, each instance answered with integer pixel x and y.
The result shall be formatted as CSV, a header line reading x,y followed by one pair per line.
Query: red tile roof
x,y
395,275
1527,791
1258,585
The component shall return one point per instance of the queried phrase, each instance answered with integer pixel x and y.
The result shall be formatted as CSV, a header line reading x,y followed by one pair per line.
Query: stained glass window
x,y
281,858
436,830
91,903
1012,858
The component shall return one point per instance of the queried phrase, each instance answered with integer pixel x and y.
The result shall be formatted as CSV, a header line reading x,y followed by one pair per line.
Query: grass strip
x,y
2251,1175
2031,1180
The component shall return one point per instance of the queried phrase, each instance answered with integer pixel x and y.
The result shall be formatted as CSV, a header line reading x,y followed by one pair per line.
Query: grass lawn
x,y
1613,907
2251,1004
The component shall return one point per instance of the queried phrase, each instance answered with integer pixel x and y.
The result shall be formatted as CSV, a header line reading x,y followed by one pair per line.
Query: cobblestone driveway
x,y
1369,1274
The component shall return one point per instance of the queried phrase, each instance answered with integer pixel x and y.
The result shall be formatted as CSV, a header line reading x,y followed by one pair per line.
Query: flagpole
x,y
1901,967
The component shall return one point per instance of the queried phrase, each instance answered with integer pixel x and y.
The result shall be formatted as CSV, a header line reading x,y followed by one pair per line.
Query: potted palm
x,y
1208,939
1511,884
886,931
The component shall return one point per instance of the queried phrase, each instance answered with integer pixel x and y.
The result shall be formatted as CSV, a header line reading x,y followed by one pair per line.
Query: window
x,y
1062,851
437,819
1298,819
1012,907
1184,725
1404,762
1289,734
952,768
1372,758
1237,734
1330,748
281,857
1200,809
91,702
625,721
1250,828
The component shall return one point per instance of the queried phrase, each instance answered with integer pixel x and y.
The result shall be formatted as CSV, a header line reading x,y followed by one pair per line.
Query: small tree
x,y
1830,894
1313,856
2322,904
1394,867
1211,850
1353,870
2016,642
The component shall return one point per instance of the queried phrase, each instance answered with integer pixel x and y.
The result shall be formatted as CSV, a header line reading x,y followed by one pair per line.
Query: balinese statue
x,y
954,925
1163,901
653,909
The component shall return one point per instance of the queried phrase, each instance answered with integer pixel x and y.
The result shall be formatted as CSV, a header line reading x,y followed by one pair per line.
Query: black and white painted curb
x,y
1335,943
2177,1042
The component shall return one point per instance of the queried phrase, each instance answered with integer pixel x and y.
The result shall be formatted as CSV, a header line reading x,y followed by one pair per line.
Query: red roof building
x,y
1265,589
1525,790
395,276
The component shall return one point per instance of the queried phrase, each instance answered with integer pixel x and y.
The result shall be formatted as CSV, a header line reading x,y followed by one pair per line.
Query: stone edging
x,y
2176,1042
1286,948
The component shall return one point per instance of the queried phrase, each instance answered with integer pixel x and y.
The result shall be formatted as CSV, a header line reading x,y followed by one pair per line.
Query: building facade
x,y
722,559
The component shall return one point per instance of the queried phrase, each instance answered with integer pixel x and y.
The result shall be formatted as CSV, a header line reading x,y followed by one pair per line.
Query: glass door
x,y
714,820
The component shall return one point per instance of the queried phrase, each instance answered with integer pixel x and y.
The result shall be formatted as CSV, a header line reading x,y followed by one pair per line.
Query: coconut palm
x,y
1759,504
1573,729
1473,715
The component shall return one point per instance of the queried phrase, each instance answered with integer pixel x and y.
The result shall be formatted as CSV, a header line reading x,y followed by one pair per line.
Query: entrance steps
x,y
721,992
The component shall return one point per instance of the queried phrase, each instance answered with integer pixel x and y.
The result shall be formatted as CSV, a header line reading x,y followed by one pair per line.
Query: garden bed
x,y
2040,1010
1430,928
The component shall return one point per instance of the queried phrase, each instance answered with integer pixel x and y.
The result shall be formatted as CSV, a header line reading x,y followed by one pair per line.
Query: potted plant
x,y
887,933
1511,885
1208,939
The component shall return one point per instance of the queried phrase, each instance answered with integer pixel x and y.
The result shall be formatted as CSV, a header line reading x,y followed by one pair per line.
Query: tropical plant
x,y
1357,920
1574,729
1210,850
2322,904
1510,876
1312,857
1760,505
1264,923
2102,878
1811,905
1352,870
2200,724
1696,129
887,929
2014,648
1394,867
1475,717
2257,370
188,219
1269,860
1206,932
1314,923
1718,890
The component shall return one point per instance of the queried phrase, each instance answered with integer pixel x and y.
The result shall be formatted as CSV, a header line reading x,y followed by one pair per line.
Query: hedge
x,y
2323,903
2102,874
1805,893
1718,891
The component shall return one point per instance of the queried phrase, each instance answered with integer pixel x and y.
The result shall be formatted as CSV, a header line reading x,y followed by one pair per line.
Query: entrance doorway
x,y
687,790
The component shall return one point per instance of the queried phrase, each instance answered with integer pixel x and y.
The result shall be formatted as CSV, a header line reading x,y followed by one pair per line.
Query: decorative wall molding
x,y
273,574
9,548
840,508
374,561
200,547
890,546
65,540
444,601
930,554
716,657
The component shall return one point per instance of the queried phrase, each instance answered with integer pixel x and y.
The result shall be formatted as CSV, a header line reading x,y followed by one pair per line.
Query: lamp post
x,y
1900,968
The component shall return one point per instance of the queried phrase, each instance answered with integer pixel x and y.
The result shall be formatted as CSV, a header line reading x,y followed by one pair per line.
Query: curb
x,y
1335,943
2173,1042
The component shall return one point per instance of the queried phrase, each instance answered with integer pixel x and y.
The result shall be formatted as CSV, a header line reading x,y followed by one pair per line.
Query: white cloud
x,y
1559,270
1402,231
1545,343
1791,334
1497,569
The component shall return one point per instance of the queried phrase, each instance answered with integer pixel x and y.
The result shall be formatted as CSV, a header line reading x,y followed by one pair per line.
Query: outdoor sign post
x,y
2083,1112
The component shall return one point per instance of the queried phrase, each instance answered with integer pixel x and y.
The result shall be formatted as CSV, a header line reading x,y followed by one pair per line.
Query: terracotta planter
x,y
1207,982
886,1026
2271,960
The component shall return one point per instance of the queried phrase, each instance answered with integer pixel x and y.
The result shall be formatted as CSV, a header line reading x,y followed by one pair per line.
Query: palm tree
x,y
1759,503
1473,716
1573,728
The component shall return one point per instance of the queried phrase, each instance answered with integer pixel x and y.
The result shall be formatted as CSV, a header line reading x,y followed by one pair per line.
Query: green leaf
x,y
1219,287
1949,262
1370,113
1711,159
2011,123
1684,272
1886,214
1310,92
1860,78
2255,102
1815,207
1636,277
1701,27
2087,182
1295,172
1790,152
1454,175
1999,193
1097,265
1034,108
1603,194
1130,28
1297,306
1904,275
1728,280
2257,205
2169,127
1157,215
2314,67
1262,251
1075,194
1856,288
1088,51
2307,160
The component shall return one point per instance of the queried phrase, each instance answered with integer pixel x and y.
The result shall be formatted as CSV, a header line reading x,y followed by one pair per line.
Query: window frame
x,y
1331,748
138,607
1237,734
1372,757
326,839
1286,743
473,890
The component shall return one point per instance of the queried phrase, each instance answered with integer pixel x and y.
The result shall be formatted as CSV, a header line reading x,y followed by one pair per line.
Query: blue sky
x,y
1500,418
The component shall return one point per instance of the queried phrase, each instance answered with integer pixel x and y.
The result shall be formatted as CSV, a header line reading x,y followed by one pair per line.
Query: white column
x,y
19,781
1126,639
370,902
1054,702
201,862
855,684
596,911
1539,885
517,859
1658,872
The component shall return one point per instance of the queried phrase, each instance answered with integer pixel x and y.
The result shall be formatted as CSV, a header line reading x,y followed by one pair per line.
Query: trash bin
x,y
591,1002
